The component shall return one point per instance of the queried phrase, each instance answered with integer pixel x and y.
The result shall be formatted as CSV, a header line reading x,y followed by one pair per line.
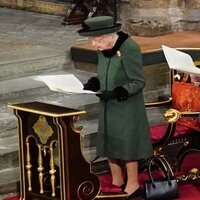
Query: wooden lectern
x,y
51,162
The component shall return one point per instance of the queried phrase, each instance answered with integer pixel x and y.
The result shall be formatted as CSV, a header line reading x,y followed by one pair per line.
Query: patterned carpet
x,y
187,190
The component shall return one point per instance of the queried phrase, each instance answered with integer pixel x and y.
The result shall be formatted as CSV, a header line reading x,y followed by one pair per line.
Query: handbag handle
x,y
168,173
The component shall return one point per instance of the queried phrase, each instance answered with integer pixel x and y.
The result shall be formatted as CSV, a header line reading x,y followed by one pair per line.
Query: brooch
x,y
118,53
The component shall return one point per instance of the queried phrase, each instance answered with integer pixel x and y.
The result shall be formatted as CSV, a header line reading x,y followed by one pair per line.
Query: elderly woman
x,y
123,131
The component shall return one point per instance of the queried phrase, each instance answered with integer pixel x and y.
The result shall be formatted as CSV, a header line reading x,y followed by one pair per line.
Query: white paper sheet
x,y
63,83
180,61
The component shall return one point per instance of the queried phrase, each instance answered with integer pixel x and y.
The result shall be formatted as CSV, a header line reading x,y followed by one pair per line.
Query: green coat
x,y
123,131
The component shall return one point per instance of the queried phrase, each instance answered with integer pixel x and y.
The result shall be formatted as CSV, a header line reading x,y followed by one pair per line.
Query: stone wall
x,y
157,17
41,6
139,17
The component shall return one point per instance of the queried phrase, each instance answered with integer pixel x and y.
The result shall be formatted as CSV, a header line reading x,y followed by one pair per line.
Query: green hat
x,y
100,25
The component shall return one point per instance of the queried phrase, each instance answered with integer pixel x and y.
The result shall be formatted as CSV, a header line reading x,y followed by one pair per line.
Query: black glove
x,y
121,93
93,84
106,95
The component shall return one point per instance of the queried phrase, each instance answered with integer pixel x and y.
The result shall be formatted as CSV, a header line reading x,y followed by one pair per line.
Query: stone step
x,y
89,133
9,144
8,122
20,29
88,138
9,180
21,89
31,60
10,191
27,89
33,43
9,169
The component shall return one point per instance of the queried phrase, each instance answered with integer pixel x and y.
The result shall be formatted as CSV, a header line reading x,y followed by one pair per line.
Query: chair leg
x,y
77,13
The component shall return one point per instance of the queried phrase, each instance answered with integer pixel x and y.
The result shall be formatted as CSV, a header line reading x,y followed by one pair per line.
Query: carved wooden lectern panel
x,y
51,162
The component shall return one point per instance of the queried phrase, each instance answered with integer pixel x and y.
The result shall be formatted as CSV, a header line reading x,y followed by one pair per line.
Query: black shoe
x,y
123,186
138,193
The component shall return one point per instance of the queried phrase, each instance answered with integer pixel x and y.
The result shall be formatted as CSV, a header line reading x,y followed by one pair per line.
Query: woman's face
x,y
195,78
102,42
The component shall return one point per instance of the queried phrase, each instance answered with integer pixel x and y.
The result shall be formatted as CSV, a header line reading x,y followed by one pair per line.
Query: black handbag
x,y
161,189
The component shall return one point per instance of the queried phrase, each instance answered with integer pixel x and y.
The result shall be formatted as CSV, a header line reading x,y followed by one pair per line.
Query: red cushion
x,y
187,164
188,192
12,198
158,131
186,97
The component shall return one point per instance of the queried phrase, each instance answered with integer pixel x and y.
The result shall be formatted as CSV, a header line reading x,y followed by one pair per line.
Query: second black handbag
x,y
165,188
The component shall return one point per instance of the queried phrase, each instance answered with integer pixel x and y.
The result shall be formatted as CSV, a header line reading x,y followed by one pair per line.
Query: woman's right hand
x,y
93,84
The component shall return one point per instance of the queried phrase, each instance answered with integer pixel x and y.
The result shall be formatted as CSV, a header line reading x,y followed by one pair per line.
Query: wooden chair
x,y
179,136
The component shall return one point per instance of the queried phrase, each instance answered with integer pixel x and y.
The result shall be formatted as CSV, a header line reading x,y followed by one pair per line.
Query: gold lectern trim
x,y
74,120
40,168
52,170
61,160
42,129
50,114
28,166
109,196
